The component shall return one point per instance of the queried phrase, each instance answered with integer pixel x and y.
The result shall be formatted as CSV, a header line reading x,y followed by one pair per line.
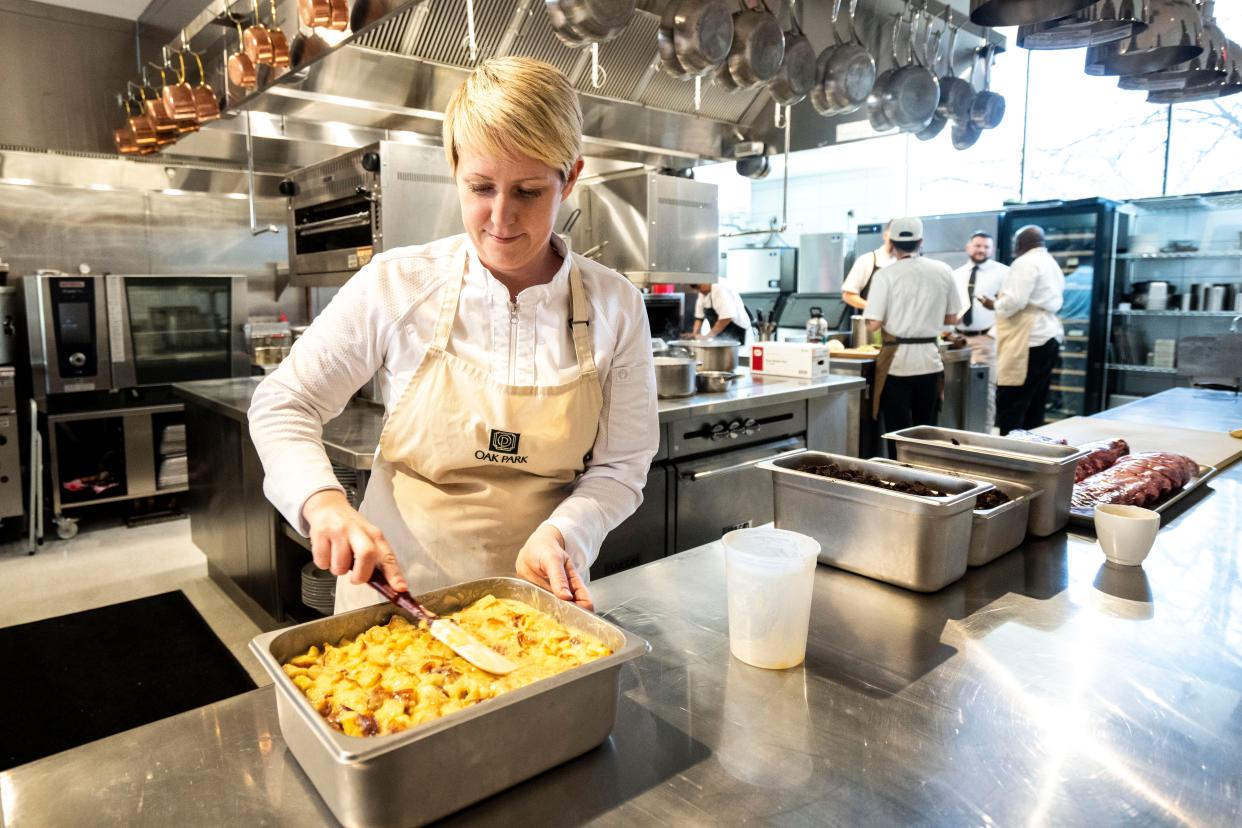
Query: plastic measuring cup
x,y
769,575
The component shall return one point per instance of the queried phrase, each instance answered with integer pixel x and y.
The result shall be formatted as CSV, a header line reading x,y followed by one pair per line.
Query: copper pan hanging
x,y
242,71
280,43
206,108
315,13
178,97
256,40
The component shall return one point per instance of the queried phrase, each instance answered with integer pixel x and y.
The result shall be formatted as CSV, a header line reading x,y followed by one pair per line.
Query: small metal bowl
x,y
713,382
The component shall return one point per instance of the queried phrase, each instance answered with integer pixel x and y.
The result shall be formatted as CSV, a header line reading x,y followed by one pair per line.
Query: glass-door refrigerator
x,y
1081,236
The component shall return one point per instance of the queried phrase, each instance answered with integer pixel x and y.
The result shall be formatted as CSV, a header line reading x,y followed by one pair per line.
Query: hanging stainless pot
x,y
1104,22
1231,85
666,46
939,120
1174,34
913,91
965,135
1209,67
758,48
956,94
674,376
879,90
994,13
754,166
848,73
797,73
581,22
988,108
702,33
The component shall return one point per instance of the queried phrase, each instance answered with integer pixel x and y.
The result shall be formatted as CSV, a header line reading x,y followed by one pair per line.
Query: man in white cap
x,y
911,301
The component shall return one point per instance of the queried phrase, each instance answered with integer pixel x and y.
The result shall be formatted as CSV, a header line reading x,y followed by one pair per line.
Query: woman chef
x,y
517,377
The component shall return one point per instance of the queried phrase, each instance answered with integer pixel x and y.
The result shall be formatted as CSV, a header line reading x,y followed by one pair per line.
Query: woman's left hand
x,y
544,562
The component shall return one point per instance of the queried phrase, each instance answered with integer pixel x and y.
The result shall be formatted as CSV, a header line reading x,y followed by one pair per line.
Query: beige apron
x,y
884,363
1013,345
468,467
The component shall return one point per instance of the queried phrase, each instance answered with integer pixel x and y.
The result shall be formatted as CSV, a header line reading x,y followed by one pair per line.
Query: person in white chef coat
x,y
517,376
857,285
981,277
725,312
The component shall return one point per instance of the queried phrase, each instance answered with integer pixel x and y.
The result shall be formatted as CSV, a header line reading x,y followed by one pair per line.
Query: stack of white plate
x,y
318,588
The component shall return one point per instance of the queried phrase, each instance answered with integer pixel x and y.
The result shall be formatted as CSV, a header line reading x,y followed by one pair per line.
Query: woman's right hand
x,y
344,541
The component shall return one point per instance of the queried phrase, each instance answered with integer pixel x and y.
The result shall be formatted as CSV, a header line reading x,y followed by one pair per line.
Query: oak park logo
x,y
502,447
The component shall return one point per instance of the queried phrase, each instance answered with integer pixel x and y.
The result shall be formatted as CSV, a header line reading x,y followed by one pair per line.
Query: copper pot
x,y
314,13
242,71
257,43
338,19
206,107
280,43
158,113
123,137
142,127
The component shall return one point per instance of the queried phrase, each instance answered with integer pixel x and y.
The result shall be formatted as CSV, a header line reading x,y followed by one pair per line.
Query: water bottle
x,y
817,326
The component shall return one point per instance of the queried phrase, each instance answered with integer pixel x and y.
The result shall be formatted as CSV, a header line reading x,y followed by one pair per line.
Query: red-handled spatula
x,y
457,639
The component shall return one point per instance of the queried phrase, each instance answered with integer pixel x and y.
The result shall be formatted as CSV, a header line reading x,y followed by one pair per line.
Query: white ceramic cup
x,y
1126,533
769,575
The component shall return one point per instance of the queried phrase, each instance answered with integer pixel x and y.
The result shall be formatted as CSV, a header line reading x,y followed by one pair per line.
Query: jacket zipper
x,y
513,333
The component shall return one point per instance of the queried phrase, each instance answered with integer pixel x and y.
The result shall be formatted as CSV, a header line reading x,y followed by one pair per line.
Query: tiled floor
x,y
106,564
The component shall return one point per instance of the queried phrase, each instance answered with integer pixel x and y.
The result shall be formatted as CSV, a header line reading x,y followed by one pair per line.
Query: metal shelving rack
x,y
1213,224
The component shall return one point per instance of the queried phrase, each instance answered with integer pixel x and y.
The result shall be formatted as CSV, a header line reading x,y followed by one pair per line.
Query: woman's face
x,y
509,206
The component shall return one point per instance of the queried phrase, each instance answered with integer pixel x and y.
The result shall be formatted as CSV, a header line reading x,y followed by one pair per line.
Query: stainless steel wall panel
x,y
61,228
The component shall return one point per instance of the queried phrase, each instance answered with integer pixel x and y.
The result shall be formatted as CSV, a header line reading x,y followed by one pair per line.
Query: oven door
x,y
722,492
331,239
166,329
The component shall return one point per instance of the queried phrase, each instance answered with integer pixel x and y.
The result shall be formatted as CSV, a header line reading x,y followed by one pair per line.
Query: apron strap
x,y
579,321
448,304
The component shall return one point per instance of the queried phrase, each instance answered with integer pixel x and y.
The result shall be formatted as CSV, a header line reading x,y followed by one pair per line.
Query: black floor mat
x,y
77,678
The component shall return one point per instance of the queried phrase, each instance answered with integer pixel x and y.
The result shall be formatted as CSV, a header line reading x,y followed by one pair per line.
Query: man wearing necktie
x,y
981,276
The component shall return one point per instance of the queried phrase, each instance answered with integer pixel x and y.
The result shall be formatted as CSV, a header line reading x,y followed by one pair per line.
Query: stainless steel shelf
x,y
1140,369
1192,313
1197,254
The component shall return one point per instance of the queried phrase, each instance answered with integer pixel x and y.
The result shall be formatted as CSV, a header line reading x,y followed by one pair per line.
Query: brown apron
x,y
1013,345
468,467
884,362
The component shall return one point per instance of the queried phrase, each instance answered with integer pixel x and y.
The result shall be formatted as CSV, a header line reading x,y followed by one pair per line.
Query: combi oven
x,y
105,333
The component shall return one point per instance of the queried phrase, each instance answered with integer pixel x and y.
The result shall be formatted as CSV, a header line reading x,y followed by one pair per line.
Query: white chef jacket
x,y
864,268
383,320
1034,279
987,283
728,304
912,297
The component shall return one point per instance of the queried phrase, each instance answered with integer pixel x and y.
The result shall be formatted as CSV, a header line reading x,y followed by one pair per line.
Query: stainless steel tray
x,y
1044,467
438,767
919,543
994,531
1080,516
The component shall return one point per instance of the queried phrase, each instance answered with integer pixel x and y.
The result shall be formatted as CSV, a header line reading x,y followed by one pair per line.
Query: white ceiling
x,y
128,9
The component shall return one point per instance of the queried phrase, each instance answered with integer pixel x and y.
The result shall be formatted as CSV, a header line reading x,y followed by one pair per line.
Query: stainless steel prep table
x,y
1042,688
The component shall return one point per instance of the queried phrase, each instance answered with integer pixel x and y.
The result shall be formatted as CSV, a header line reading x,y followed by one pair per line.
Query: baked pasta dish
x,y
394,676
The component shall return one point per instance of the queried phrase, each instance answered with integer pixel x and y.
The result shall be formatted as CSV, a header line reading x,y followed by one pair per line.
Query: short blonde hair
x,y
516,106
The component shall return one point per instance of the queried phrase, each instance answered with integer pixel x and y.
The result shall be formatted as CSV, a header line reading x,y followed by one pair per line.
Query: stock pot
x,y
713,354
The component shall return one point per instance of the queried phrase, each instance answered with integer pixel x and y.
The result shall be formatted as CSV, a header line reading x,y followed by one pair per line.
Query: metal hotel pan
x,y
1045,467
994,531
911,541
441,766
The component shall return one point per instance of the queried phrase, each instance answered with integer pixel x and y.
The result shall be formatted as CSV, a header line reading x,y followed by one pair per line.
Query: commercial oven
x,y
345,210
109,333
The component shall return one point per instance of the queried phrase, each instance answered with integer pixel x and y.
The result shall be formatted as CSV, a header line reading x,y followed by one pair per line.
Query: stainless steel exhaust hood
x,y
395,75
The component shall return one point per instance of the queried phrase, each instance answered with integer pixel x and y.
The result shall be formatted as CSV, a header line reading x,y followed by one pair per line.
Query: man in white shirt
x,y
724,311
1028,332
982,276
911,301
857,285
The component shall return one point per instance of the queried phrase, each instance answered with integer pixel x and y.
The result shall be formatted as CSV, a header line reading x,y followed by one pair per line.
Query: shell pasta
x,y
394,676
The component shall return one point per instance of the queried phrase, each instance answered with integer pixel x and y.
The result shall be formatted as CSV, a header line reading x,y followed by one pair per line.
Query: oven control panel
x,y
718,432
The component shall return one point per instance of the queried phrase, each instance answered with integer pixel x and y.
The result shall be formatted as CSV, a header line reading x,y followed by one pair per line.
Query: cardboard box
x,y
790,359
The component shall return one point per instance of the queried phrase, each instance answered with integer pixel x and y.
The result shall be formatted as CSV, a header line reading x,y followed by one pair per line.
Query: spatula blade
x,y
471,648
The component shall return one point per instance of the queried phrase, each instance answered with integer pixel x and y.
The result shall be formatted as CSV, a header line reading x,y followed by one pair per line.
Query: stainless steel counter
x,y
351,438
1044,688
1197,408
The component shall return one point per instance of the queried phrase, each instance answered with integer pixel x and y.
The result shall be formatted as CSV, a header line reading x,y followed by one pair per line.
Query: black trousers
x,y
1023,406
910,401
